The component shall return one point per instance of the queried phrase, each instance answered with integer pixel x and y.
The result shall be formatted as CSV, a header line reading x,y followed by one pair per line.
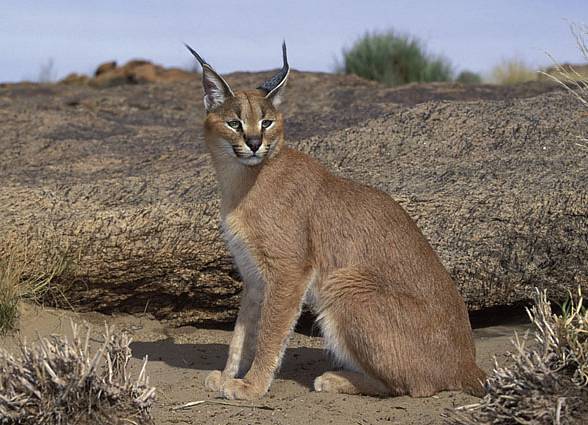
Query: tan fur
x,y
388,309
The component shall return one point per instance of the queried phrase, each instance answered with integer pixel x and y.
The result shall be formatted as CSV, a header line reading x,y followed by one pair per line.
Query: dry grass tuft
x,y
512,71
547,382
19,281
9,295
575,82
59,382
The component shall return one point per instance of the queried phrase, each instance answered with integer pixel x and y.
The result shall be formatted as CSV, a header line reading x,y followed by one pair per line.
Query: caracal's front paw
x,y
240,389
213,381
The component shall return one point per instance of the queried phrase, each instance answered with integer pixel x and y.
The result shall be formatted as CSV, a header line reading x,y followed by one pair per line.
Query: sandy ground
x,y
180,358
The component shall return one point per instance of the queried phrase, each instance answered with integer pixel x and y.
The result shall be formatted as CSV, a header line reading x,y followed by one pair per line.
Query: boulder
x,y
110,78
104,68
145,73
118,182
75,79
135,71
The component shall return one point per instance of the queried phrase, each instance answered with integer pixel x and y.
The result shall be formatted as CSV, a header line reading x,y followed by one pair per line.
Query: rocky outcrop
x,y
118,178
109,74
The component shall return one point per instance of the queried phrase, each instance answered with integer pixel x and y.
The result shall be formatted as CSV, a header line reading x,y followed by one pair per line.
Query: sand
x,y
180,358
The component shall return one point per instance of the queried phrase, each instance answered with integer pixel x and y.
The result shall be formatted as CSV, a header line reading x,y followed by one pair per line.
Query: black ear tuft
x,y
273,87
196,55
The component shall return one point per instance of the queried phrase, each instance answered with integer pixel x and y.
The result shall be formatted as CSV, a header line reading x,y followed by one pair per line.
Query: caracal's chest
x,y
241,250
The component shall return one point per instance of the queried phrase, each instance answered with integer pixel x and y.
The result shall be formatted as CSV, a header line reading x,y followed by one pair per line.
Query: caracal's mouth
x,y
248,157
250,160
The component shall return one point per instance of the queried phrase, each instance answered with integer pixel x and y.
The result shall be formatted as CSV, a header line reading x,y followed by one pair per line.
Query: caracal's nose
x,y
254,143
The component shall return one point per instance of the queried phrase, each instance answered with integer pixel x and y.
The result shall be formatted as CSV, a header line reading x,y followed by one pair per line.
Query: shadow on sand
x,y
300,364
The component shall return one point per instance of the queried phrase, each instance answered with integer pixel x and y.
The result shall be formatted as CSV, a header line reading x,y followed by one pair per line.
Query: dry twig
x,y
191,404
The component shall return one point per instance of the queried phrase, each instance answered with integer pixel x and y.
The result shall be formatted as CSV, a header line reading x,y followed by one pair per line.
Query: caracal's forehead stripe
x,y
250,111
238,110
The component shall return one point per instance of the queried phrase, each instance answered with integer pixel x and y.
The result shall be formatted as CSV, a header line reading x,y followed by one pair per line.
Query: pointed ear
x,y
216,89
274,87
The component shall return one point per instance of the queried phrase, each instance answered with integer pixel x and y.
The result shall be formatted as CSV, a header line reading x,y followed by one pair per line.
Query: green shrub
x,y
512,71
393,60
468,77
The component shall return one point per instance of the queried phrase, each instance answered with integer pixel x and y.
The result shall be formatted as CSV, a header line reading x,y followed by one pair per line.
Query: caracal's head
x,y
243,126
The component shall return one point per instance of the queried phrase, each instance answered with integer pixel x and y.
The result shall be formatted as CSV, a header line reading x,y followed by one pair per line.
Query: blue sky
x,y
246,35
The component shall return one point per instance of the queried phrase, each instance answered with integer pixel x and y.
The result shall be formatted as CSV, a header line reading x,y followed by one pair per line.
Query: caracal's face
x,y
242,126
246,128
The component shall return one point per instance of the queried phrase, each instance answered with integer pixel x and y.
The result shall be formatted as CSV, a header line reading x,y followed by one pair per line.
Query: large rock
x,y
137,71
118,179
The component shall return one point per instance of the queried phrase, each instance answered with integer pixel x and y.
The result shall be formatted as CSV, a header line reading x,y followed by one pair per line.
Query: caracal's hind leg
x,y
390,336
347,382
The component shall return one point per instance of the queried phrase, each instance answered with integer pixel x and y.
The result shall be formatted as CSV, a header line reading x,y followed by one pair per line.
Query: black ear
x,y
216,89
274,87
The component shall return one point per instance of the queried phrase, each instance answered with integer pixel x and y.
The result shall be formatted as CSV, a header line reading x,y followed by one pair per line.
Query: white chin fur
x,y
251,161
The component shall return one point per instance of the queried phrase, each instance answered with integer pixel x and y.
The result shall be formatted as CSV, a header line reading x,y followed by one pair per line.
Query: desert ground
x,y
180,358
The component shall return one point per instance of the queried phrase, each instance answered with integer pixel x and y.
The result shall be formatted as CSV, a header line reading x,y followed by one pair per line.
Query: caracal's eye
x,y
266,123
235,124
